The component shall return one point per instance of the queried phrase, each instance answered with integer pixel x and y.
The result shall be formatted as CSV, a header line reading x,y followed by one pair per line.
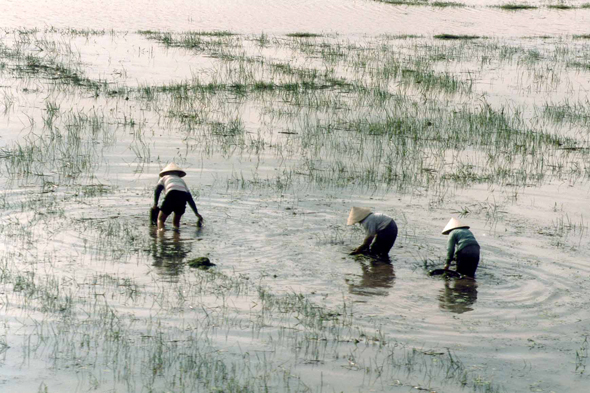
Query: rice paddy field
x,y
285,115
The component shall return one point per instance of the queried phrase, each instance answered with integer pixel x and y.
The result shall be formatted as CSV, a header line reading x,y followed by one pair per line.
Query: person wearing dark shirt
x,y
461,247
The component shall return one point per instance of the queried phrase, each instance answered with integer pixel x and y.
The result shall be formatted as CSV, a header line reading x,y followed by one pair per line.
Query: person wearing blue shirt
x,y
461,247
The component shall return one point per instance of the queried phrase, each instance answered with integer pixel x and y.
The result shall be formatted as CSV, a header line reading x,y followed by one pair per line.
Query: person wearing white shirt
x,y
380,230
177,194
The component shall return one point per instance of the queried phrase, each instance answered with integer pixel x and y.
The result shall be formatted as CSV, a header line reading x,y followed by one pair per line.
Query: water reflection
x,y
378,276
169,251
458,295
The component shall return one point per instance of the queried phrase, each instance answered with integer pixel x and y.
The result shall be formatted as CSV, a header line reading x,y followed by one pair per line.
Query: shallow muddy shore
x,y
281,128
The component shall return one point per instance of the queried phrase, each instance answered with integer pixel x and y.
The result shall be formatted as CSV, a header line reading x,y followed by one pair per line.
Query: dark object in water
x,y
445,272
154,211
201,263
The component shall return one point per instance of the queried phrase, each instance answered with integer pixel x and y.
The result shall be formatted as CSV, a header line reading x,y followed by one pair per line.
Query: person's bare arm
x,y
193,206
366,243
157,193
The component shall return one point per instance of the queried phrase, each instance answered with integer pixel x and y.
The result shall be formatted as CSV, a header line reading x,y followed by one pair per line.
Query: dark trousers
x,y
175,201
384,240
467,260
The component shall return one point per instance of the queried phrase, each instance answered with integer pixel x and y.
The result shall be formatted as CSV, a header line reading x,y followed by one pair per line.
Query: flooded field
x,y
284,116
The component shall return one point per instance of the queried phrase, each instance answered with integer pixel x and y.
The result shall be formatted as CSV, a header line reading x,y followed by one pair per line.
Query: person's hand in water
x,y
356,251
200,220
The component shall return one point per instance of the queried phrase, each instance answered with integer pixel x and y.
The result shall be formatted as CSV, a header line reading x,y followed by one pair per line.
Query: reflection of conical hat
x,y
453,224
357,214
172,167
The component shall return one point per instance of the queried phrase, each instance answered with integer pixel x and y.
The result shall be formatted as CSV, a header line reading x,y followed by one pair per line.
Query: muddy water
x,y
341,16
522,324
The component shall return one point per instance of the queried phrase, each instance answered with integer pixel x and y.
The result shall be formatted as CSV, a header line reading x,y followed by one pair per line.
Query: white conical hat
x,y
453,224
172,167
357,214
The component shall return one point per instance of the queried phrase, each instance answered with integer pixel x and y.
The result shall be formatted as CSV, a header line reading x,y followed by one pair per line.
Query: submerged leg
x,y
162,220
468,260
384,240
176,220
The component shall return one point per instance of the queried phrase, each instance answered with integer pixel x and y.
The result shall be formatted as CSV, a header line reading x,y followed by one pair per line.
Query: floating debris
x,y
201,263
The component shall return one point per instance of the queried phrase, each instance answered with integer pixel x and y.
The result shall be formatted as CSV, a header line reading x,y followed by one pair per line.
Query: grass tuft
x,y
456,37
560,6
405,2
444,4
516,7
303,35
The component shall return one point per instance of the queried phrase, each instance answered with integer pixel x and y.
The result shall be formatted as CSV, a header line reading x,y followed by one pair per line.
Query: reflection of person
x,y
462,247
169,253
376,275
458,295
380,230
176,196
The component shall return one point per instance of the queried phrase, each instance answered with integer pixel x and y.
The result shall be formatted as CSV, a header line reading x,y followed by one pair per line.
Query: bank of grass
x,y
516,7
560,6
445,4
303,35
456,37
439,4
405,2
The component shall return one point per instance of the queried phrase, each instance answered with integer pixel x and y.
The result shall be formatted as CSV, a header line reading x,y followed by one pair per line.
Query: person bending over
x,y
176,196
461,247
380,231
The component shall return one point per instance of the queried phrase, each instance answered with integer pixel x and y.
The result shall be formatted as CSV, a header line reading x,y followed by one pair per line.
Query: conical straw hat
x,y
357,214
453,224
172,167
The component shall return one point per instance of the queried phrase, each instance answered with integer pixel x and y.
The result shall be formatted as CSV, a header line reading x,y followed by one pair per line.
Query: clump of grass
x,y
404,2
304,35
401,36
444,4
456,37
579,64
220,33
516,7
560,6
581,36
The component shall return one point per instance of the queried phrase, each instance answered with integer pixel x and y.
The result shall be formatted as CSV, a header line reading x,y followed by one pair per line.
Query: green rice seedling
x,y
577,113
220,33
8,102
80,32
51,110
579,65
582,356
